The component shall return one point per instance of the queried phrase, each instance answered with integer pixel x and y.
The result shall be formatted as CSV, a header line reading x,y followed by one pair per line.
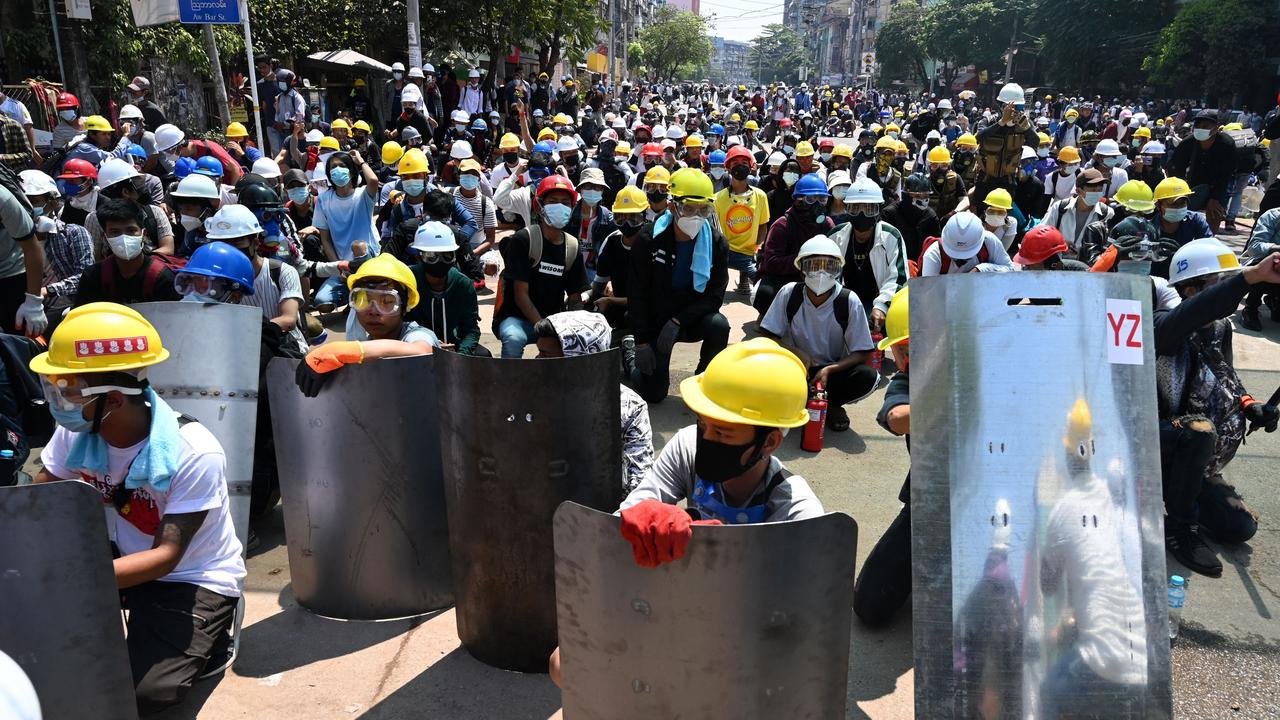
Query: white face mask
x,y
125,247
46,224
819,282
190,222
995,220
690,226
1070,168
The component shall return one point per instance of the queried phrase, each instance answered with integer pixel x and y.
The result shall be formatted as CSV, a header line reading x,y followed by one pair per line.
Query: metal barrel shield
x,y
212,375
519,437
1037,543
753,622
360,480
61,611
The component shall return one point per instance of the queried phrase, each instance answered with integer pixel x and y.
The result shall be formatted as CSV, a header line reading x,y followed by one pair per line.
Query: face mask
x,y
397,74
863,223
1070,169
717,462
1111,160
299,195
826,157
73,420
125,247
1071,121
196,297
67,115
656,196
1201,134
510,158
790,178
340,176
717,172
284,87
592,197
1092,198
740,172
690,226
557,216
437,270
1175,215
839,192
190,222
921,203
995,219
468,182
1042,152
819,282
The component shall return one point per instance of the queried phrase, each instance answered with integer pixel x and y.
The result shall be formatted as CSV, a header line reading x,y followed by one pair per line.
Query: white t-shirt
x,y
482,209
814,329
1060,186
16,111
212,560
997,259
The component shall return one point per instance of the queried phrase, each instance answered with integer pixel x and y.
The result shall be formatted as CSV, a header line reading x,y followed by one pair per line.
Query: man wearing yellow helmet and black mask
x,y
180,570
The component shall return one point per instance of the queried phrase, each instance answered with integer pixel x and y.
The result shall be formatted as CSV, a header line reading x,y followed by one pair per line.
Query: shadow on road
x,y
459,687
877,658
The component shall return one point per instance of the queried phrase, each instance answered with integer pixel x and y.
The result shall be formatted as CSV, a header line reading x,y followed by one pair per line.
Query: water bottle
x,y
8,473
1177,598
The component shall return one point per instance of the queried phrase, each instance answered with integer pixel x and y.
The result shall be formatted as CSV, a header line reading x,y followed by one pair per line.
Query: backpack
x,y
535,257
984,255
150,274
841,308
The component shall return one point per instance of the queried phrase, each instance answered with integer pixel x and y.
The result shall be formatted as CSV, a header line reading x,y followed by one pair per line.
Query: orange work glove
x,y
334,355
658,532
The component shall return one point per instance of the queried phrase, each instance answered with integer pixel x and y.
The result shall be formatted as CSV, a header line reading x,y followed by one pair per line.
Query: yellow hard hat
x,y
897,321
387,267
97,123
693,141
1072,113
339,124
509,141
735,117
751,125
756,382
1136,195
804,148
362,125
1142,132
939,154
900,147
1079,428
359,82
1266,142
999,198
414,161
887,143
329,142
1045,139
1069,155
623,148
892,127
843,150
967,140
391,152
657,175
236,130
690,183
100,337
631,199
547,133
1048,97
560,119
1172,188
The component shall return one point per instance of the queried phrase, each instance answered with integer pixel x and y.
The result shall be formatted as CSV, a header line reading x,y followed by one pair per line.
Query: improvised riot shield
x,y
1037,543
360,478
61,612
519,437
212,375
753,622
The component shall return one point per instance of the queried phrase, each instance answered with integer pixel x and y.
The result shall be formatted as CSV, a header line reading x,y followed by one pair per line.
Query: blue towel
x,y
156,462
701,265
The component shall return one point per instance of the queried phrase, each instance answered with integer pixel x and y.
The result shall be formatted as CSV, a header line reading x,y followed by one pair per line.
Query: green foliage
x,y
674,44
1098,43
1213,47
900,45
778,54
567,28
293,29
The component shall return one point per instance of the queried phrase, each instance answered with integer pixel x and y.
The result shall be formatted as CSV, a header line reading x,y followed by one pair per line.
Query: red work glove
x,y
658,532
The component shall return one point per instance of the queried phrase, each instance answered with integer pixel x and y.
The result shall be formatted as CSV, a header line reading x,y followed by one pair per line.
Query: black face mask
x,y
629,230
938,176
863,223
656,196
437,269
510,158
740,172
717,462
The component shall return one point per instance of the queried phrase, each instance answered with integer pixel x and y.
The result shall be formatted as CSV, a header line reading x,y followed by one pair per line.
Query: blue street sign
x,y
217,12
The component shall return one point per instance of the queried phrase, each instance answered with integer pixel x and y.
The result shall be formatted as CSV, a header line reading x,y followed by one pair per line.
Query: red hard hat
x,y
738,152
826,143
651,149
1039,244
555,182
76,169
645,128
784,122
66,100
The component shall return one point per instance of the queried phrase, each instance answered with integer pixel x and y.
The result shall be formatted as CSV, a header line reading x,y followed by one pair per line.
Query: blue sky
x,y
741,19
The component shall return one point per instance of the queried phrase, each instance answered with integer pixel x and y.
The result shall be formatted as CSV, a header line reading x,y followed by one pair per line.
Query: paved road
x,y
296,665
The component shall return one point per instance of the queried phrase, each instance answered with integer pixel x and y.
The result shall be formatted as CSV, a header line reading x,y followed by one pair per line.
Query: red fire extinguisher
x,y
812,440
877,355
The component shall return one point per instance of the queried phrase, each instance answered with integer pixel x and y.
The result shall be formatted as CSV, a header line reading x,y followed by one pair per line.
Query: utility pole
x,y
1013,41
215,71
415,40
57,43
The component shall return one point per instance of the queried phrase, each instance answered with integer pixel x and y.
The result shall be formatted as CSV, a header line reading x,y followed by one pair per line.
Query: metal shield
x,y
360,479
59,608
752,623
1037,531
520,437
212,375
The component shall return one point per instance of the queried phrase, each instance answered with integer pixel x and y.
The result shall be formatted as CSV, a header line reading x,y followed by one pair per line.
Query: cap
x,y
1090,176
1207,115
139,84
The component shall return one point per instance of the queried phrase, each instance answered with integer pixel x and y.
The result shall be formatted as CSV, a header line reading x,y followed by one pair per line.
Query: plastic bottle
x,y
8,473
1177,598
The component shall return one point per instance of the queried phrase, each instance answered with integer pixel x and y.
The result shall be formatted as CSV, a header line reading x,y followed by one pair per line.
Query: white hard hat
x,y
1206,256
933,135
429,68
18,698
619,123
566,143
461,150
313,136
1107,147
265,167
232,221
1153,148
130,112
776,159
35,182
434,236
609,134
864,190
675,132
819,246
114,170
1012,93
659,132
410,94
415,72
167,136
1028,153
397,66
962,236
460,116
732,141
836,178
473,73
944,104
196,185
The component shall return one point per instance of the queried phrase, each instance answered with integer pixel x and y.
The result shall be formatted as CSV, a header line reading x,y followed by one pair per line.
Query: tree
x,y
958,33
1090,44
778,54
900,45
675,43
571,27
1212,48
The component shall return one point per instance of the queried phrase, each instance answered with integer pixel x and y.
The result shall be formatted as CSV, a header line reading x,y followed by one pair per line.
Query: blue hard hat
x,y
716,129
218,259
546,146
183,167
717,157
209,165
479,124
137,151
810,184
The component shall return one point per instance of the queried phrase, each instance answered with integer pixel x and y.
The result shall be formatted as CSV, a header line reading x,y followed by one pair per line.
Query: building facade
x,y
729,62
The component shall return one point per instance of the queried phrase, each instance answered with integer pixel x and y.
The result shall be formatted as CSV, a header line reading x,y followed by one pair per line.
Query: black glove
x,y
645,359
309,381
667,337
1262,415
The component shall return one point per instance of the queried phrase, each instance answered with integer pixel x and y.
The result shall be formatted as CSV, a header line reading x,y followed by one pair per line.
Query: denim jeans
x,y
332,292
515,333
743,263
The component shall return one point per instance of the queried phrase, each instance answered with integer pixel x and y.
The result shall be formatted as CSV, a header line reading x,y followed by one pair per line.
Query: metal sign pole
x,y
253,77
57,43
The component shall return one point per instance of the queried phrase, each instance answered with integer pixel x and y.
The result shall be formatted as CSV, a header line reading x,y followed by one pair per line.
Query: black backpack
x,y
841,308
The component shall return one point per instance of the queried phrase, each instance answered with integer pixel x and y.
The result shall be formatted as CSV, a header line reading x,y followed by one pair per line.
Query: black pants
x,y
173,630
766,290
1187,445
13,292
1254,298
712,330
885,581
848,386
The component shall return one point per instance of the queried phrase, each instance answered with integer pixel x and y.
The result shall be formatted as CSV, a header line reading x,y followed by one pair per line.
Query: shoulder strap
x,y
108,271
793,302
153,271
570,251
535,244
777,479
273,269
842,309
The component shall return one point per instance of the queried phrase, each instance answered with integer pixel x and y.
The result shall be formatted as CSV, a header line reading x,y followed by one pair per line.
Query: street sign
x,y
79,10
868,63
214,12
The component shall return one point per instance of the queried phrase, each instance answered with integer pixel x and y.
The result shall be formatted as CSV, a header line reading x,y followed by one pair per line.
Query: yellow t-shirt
x,y
741,218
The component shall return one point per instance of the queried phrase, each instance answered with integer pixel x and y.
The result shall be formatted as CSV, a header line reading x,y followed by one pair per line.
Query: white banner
x,y
150,12
79,10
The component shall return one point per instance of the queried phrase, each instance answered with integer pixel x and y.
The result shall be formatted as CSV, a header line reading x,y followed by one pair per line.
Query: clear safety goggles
x,y
629,220
214,287
810,199
1154,251
539,157
432,258
820,263
69,392
383,302
864,209
695,208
